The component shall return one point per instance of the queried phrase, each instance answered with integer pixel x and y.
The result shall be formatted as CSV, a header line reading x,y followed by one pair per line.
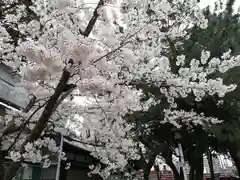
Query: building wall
x,y
80,173
216,164
2,110
49,173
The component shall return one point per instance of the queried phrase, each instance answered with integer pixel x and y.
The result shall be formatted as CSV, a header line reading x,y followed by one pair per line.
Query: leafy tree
x,y
221,35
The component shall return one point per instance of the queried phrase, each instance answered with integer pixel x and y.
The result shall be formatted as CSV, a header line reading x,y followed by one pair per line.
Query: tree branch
x,y
111,52
48,110
174,55
30,104
93,19
42,122
66,94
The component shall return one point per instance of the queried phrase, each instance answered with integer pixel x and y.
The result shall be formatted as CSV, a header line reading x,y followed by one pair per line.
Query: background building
x,y
9,96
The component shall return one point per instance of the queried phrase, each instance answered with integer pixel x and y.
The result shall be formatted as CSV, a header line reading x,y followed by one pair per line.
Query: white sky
x,y
204,3
91,2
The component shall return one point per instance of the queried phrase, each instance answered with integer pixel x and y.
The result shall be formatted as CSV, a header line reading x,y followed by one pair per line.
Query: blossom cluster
x,y
180,117
33,151
104,51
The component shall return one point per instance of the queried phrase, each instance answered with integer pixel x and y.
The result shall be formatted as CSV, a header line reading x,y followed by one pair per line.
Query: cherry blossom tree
x,y
85,69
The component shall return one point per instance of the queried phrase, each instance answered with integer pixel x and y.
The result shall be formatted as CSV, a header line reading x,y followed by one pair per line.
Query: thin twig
x,y
111,52
122,44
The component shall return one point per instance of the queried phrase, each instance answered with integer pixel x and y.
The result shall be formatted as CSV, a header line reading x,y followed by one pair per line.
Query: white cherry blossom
x,y
65,51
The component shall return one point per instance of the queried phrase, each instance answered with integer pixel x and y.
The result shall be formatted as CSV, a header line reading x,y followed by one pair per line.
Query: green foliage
x,y
222,34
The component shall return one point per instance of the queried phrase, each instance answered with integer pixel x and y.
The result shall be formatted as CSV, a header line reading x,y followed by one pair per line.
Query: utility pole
x,y
182,162
178,137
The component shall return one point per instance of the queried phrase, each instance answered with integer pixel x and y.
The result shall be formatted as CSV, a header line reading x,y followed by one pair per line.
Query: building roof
x,y
79,145
9,96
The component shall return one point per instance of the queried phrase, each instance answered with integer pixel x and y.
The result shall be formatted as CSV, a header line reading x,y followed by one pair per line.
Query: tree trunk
x,y
156,168
146,174
41,124
191,173
176,174
210,163
167,155
159,176
149,165
199,167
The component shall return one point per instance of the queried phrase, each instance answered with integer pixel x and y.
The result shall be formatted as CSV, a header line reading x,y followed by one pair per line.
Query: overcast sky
x,y
204,3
